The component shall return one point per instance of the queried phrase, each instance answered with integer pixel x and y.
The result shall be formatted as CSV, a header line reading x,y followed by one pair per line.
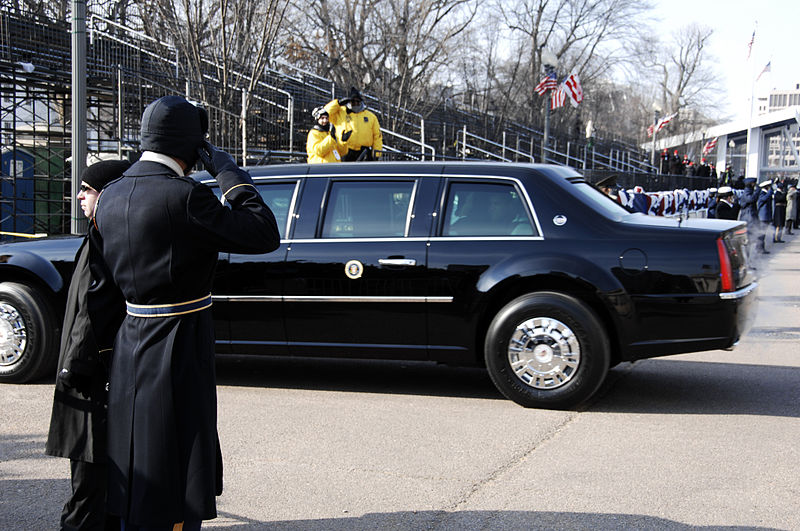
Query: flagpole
x,y
656,112
751,60
550,64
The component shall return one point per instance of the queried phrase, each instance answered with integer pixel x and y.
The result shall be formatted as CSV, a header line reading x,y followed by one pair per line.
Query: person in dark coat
x,y
78,420
778,212
675,165
664,166
160,234
726,207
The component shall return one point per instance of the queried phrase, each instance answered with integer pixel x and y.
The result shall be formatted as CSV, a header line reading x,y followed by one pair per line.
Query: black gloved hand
x,y
75,380
215,160
346,135
332,129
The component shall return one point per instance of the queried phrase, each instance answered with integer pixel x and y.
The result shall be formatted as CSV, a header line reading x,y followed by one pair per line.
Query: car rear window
x,y
485,209
600,202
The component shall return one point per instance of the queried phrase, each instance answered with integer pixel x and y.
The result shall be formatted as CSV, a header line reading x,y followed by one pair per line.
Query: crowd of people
x,y
770,208
676,165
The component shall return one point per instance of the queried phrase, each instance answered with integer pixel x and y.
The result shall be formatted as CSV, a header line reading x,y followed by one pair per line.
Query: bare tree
x,y
683,80
585,36
226,42
393,49
59,10
231,39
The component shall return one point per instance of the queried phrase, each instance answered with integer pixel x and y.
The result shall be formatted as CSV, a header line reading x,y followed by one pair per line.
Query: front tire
x,y
28,334
547,350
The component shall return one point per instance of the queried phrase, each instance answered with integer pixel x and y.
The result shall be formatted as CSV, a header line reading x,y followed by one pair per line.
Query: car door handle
x,y
397,261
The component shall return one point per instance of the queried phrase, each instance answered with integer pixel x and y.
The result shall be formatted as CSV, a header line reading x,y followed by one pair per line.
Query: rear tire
x,y
28,334
547,350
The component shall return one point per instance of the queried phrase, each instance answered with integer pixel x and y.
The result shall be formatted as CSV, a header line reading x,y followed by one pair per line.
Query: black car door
x,y
356,272
252,284
482,222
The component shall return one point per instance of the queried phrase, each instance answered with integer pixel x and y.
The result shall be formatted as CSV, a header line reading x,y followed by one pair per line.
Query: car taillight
x,y
725,271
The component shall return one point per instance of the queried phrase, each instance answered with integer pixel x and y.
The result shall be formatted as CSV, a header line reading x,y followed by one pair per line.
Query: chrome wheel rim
x,y
13,335
544,353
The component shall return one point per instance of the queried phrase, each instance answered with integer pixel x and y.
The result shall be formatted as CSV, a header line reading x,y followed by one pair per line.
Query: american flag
x,y
664,121
548,82
767,68
572,86
711,144
660,124
750,44
557,98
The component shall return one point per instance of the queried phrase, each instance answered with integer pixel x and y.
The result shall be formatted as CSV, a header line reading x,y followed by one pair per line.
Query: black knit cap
x,y
98,175
173,126
354,95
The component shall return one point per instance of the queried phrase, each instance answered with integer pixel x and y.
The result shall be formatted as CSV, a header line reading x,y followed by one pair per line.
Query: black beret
x,y
173,126
98,175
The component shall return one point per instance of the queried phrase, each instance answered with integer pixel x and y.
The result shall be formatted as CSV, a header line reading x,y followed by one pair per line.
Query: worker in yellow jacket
x,y
321,144
357,127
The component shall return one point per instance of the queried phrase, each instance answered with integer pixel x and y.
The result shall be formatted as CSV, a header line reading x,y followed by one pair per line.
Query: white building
x,y
770,151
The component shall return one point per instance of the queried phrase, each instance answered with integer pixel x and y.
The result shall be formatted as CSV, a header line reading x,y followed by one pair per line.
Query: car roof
x,y
409,167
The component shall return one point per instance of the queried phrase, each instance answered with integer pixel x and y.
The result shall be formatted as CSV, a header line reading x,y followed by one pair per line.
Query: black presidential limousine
x,y
524,268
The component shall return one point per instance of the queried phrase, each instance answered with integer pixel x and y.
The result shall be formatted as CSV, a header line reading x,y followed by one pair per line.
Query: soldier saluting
x,y
159,234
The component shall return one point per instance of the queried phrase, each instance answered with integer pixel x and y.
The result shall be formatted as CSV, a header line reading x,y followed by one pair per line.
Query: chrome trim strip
x,y
397,261
411,206
357,240
290,215
414,175
486,238
416,239
738,294
247,298
327,298
348,298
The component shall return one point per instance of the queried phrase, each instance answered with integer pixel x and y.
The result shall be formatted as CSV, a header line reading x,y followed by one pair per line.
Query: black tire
x,y
28,334
556,372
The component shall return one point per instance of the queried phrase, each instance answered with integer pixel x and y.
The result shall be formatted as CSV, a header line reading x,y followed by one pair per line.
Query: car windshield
x,y
600,201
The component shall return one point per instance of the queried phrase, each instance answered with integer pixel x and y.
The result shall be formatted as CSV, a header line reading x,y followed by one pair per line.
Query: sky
x,y
777,27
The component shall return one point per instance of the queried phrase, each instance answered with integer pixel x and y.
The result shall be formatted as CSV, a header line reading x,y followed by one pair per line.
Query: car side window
x,y
367,209
485,209
278,197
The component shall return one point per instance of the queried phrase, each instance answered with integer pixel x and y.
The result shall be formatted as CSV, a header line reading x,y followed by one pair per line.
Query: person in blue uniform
x,y
160,233
764,208
78,419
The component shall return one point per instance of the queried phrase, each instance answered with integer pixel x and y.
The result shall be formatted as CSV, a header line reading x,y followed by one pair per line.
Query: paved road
x,y
708,439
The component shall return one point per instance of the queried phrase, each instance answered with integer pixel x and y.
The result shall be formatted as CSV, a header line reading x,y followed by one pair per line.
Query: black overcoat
x,y
78,420
160,235
727,211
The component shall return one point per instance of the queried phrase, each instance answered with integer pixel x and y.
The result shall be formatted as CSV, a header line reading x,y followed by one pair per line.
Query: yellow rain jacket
x,y
321,146
364,124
